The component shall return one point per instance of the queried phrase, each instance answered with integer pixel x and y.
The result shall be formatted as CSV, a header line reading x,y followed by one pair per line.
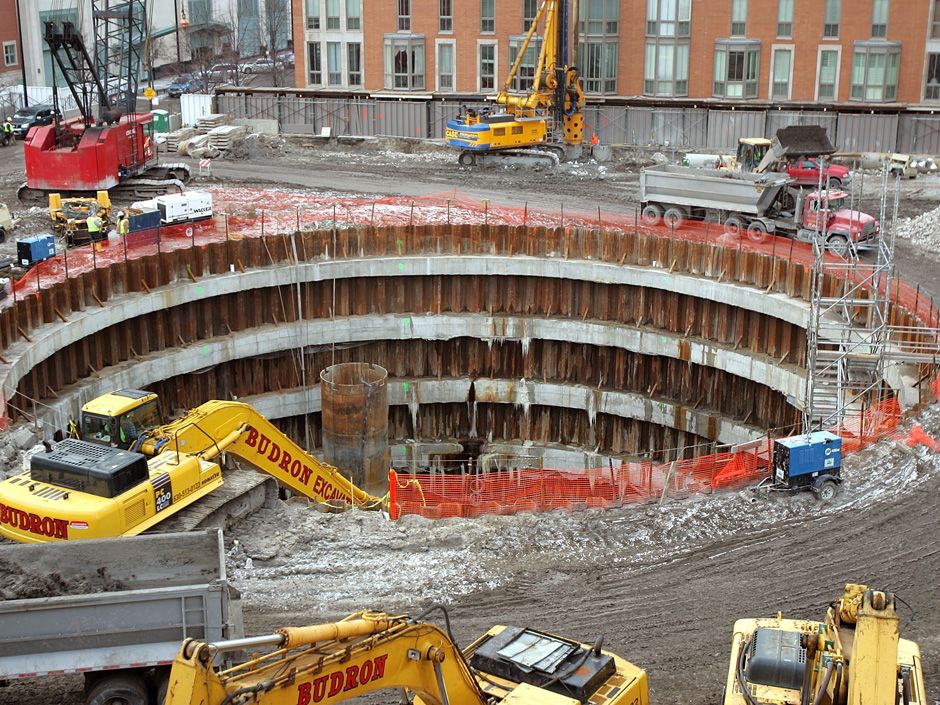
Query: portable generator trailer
x,y
807,462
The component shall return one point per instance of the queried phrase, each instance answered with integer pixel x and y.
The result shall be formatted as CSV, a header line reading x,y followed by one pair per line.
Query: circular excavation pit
x,y
608,354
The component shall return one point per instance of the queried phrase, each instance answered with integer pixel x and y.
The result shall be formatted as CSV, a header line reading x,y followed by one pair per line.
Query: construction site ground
x,y
663,582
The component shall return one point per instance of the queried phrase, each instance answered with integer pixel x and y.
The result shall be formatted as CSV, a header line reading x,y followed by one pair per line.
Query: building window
x,y
668,18
313,14
354,63
737,65
446,16
332,14
334,63
529,10
879,18
666,68
404,61
315,77
525,74
353,14
9,53
598,58
828,74
445,65
487,16
875,71
487,67
935,21
832,18
781,66
404,15
600,16
784,19
738,18
932,91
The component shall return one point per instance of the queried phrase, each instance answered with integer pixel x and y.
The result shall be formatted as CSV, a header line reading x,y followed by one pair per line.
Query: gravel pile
x,y
922,230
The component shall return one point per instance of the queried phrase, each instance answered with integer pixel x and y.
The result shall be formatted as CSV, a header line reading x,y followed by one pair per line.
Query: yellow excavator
x,y
367,652
539,126
128,471
854,657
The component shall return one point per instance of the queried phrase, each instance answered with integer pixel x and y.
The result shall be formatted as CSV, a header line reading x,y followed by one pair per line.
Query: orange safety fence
x,y
437,496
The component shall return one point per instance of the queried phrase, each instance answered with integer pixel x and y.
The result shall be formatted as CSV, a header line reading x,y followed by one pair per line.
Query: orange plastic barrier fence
x,y
437,496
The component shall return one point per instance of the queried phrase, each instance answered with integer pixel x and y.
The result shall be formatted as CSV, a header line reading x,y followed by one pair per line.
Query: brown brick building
x,y
10,69
861,52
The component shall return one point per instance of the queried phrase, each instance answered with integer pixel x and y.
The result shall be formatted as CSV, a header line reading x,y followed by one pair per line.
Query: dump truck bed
x,y
111,604
711,188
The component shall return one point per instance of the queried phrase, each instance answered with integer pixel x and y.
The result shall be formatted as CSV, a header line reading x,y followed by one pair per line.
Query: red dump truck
x,y
753,204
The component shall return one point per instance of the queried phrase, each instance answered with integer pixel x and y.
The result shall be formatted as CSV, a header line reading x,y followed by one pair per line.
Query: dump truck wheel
x,y
757,231
733,226
651,214
838,245
674,217
119,689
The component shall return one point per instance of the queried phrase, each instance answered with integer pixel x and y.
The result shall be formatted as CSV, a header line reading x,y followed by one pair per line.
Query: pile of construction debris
x,y
922,230
212,137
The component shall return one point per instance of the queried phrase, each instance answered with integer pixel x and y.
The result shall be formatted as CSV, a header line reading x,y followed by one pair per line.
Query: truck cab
x,y
119,418
845,228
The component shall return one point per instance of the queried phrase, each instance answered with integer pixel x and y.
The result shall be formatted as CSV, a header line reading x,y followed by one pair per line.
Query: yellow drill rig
x,y
538,127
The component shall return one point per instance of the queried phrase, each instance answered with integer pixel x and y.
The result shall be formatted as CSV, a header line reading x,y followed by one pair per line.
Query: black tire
x,y
118,689
163,684
734,225
674,217
827,491
834,183
467,159
757,231
651,214
3,235
838,245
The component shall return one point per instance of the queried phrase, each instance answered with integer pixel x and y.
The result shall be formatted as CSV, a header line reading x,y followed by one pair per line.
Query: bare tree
x,y
277,23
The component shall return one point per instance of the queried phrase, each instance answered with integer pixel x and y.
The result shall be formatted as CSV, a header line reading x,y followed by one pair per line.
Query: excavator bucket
x,y
796,140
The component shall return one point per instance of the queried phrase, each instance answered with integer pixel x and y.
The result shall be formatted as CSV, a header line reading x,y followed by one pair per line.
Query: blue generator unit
x,y
31,251
809,461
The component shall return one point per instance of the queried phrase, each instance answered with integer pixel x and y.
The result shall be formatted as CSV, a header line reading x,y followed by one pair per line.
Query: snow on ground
x,y
290,554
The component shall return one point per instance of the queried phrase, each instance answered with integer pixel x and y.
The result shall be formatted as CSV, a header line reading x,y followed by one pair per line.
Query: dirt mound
x,y
16,583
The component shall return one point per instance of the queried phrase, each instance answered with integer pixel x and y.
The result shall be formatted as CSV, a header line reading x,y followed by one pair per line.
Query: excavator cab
x,y
120,418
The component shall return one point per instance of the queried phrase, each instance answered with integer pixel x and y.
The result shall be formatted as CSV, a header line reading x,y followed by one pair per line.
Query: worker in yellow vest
x,y
123,224
94,226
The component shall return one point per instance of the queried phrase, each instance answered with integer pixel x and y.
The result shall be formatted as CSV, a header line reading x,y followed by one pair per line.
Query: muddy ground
x,y
664,584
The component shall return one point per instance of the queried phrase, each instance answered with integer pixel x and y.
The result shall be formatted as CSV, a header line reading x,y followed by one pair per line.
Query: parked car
x,y
222,72
31,116
186,83
805,172
261,66
286,58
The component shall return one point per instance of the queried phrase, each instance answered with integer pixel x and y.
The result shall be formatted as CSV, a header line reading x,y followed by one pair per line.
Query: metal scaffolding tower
x,y
850,338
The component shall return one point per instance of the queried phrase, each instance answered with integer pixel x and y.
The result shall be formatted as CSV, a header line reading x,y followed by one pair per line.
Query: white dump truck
x,y
115,610
753,204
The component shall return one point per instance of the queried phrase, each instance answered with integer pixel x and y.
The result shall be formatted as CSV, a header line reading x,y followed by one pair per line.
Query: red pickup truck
x,y
805,172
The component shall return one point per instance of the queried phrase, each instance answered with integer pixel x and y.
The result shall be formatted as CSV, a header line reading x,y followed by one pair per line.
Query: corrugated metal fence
x,y
670,128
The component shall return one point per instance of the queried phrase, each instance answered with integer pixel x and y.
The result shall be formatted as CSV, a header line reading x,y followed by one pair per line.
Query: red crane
x,y
115,151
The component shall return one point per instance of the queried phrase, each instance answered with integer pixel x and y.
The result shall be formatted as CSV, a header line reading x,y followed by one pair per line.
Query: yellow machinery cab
x,y
119,418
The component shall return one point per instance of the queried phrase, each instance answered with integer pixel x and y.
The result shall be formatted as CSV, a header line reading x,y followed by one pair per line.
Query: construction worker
x,y
123,224
7,131
94,226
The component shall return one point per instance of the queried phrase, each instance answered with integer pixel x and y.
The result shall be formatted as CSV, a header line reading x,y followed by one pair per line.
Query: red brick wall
x,y
908,22
8,33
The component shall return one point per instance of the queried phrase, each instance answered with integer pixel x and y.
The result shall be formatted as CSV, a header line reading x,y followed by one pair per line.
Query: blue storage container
x,y
142,220
35,249
799,458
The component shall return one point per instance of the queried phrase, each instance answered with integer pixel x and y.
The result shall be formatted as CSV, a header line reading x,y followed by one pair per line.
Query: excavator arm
x,y
366,652
217,427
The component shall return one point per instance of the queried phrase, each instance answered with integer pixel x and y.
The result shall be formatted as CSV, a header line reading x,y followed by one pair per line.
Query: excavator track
x,y
526,158
244,492
156,181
